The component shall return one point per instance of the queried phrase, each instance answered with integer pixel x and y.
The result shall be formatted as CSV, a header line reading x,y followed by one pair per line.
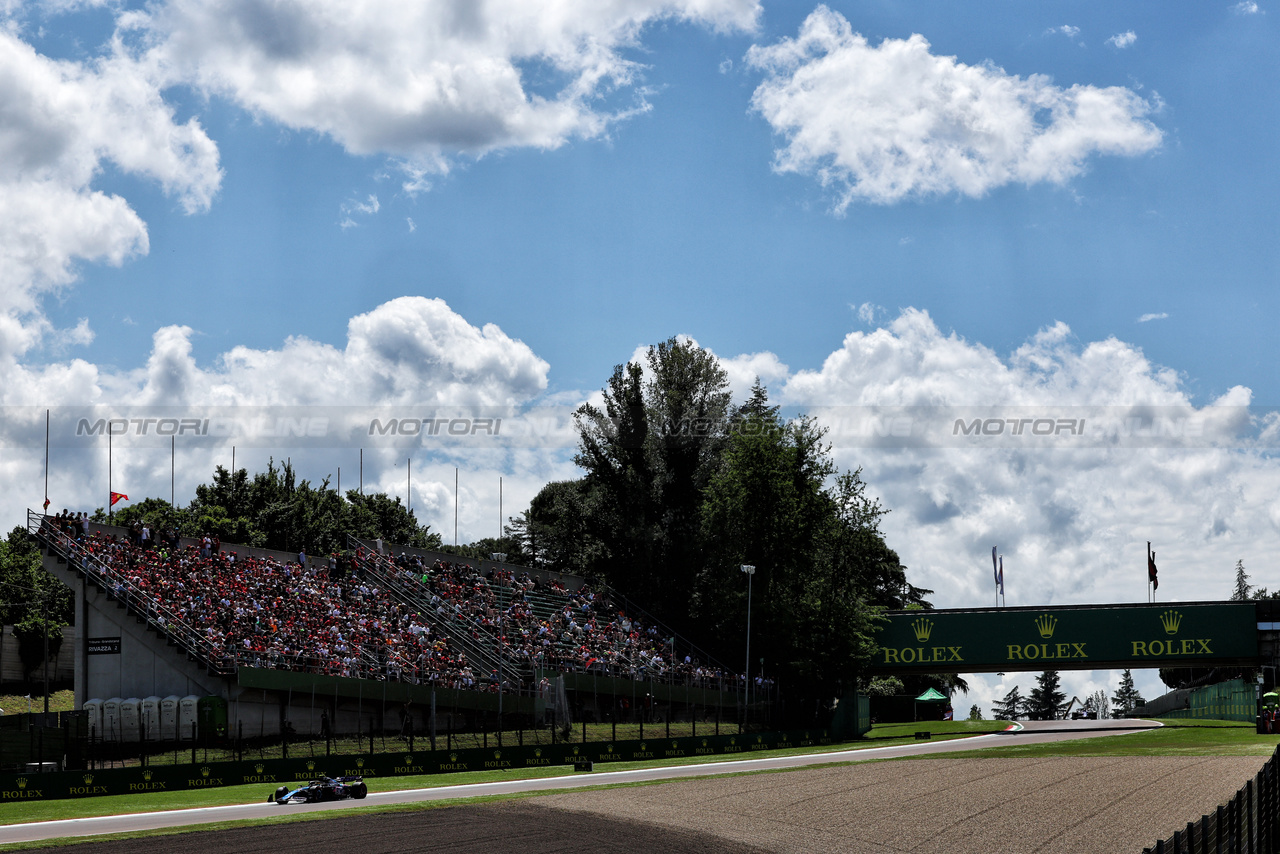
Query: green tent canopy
x,y
933,696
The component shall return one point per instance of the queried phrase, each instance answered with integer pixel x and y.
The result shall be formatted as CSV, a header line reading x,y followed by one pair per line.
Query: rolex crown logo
x,y
675,745
360,762
923,627
22,782
408,759
146,775
453,757
1045,624
608,748
311,765
537,751
1171,620
258,766
88,779
204,772
497,754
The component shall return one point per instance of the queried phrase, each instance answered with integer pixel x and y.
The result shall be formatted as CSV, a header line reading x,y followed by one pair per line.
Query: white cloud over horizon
x,y
891,122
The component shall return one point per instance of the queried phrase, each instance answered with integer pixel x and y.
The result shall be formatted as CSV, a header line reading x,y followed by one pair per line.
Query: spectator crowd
x,y
365,614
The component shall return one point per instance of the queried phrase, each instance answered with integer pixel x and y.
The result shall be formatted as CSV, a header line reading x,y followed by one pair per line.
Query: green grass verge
x,y
1176,738
59,701
951,729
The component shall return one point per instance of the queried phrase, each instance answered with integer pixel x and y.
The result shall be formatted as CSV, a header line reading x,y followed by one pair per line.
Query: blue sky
x,y
866,204
675,222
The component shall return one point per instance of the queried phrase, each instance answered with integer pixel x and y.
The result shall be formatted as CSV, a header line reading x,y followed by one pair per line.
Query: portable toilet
x,y
93,711
169,717
130,719
187,717
111,719
212,712
150,718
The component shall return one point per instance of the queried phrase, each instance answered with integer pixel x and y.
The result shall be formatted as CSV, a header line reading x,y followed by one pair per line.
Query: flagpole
x,y
46,462
109,490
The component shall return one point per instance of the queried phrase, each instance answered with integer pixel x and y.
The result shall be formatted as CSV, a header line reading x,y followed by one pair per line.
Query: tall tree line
x,y
273,509
681,489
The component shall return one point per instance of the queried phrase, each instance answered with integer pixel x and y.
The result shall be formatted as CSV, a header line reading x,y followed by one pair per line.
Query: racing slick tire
x,y
280,793
359,791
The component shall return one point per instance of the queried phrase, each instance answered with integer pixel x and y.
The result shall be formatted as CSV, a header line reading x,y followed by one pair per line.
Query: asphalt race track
x,y
843,808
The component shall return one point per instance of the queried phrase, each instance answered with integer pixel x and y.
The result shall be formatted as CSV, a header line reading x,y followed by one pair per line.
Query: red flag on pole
x,y
118,496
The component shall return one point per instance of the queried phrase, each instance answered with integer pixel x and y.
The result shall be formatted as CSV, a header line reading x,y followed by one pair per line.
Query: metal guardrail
x,y
168,623
415,595
1249,823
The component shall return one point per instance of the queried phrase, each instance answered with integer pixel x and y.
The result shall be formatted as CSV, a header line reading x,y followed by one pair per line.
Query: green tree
x,y
1126,698
818,552
648,455
1242,588
975,713
1010,708
1046,700
556,531
31,599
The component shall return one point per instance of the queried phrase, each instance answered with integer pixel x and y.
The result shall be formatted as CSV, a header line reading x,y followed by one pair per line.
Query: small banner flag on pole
x,y
118,496
1151,571
995,573
1000,576
46,503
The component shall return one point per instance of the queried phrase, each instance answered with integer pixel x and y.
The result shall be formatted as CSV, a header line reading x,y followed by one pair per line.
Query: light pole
x,y
500,557
746,688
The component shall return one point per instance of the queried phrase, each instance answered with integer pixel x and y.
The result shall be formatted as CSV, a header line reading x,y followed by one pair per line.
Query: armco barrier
x,y
274,772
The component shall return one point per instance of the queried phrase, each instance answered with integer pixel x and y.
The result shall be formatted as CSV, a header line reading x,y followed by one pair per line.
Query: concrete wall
x,y
145,666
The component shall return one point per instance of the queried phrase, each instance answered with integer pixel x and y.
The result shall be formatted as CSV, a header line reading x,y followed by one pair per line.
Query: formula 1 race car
x,y
322,789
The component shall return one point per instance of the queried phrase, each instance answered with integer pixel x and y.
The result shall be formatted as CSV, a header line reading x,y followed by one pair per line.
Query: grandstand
x,y
377,624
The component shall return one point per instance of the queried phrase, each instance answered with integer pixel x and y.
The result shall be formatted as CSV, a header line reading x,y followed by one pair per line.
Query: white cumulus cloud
x,y
1072,519
1123,40
61,124
895,121
1150,316
424,81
